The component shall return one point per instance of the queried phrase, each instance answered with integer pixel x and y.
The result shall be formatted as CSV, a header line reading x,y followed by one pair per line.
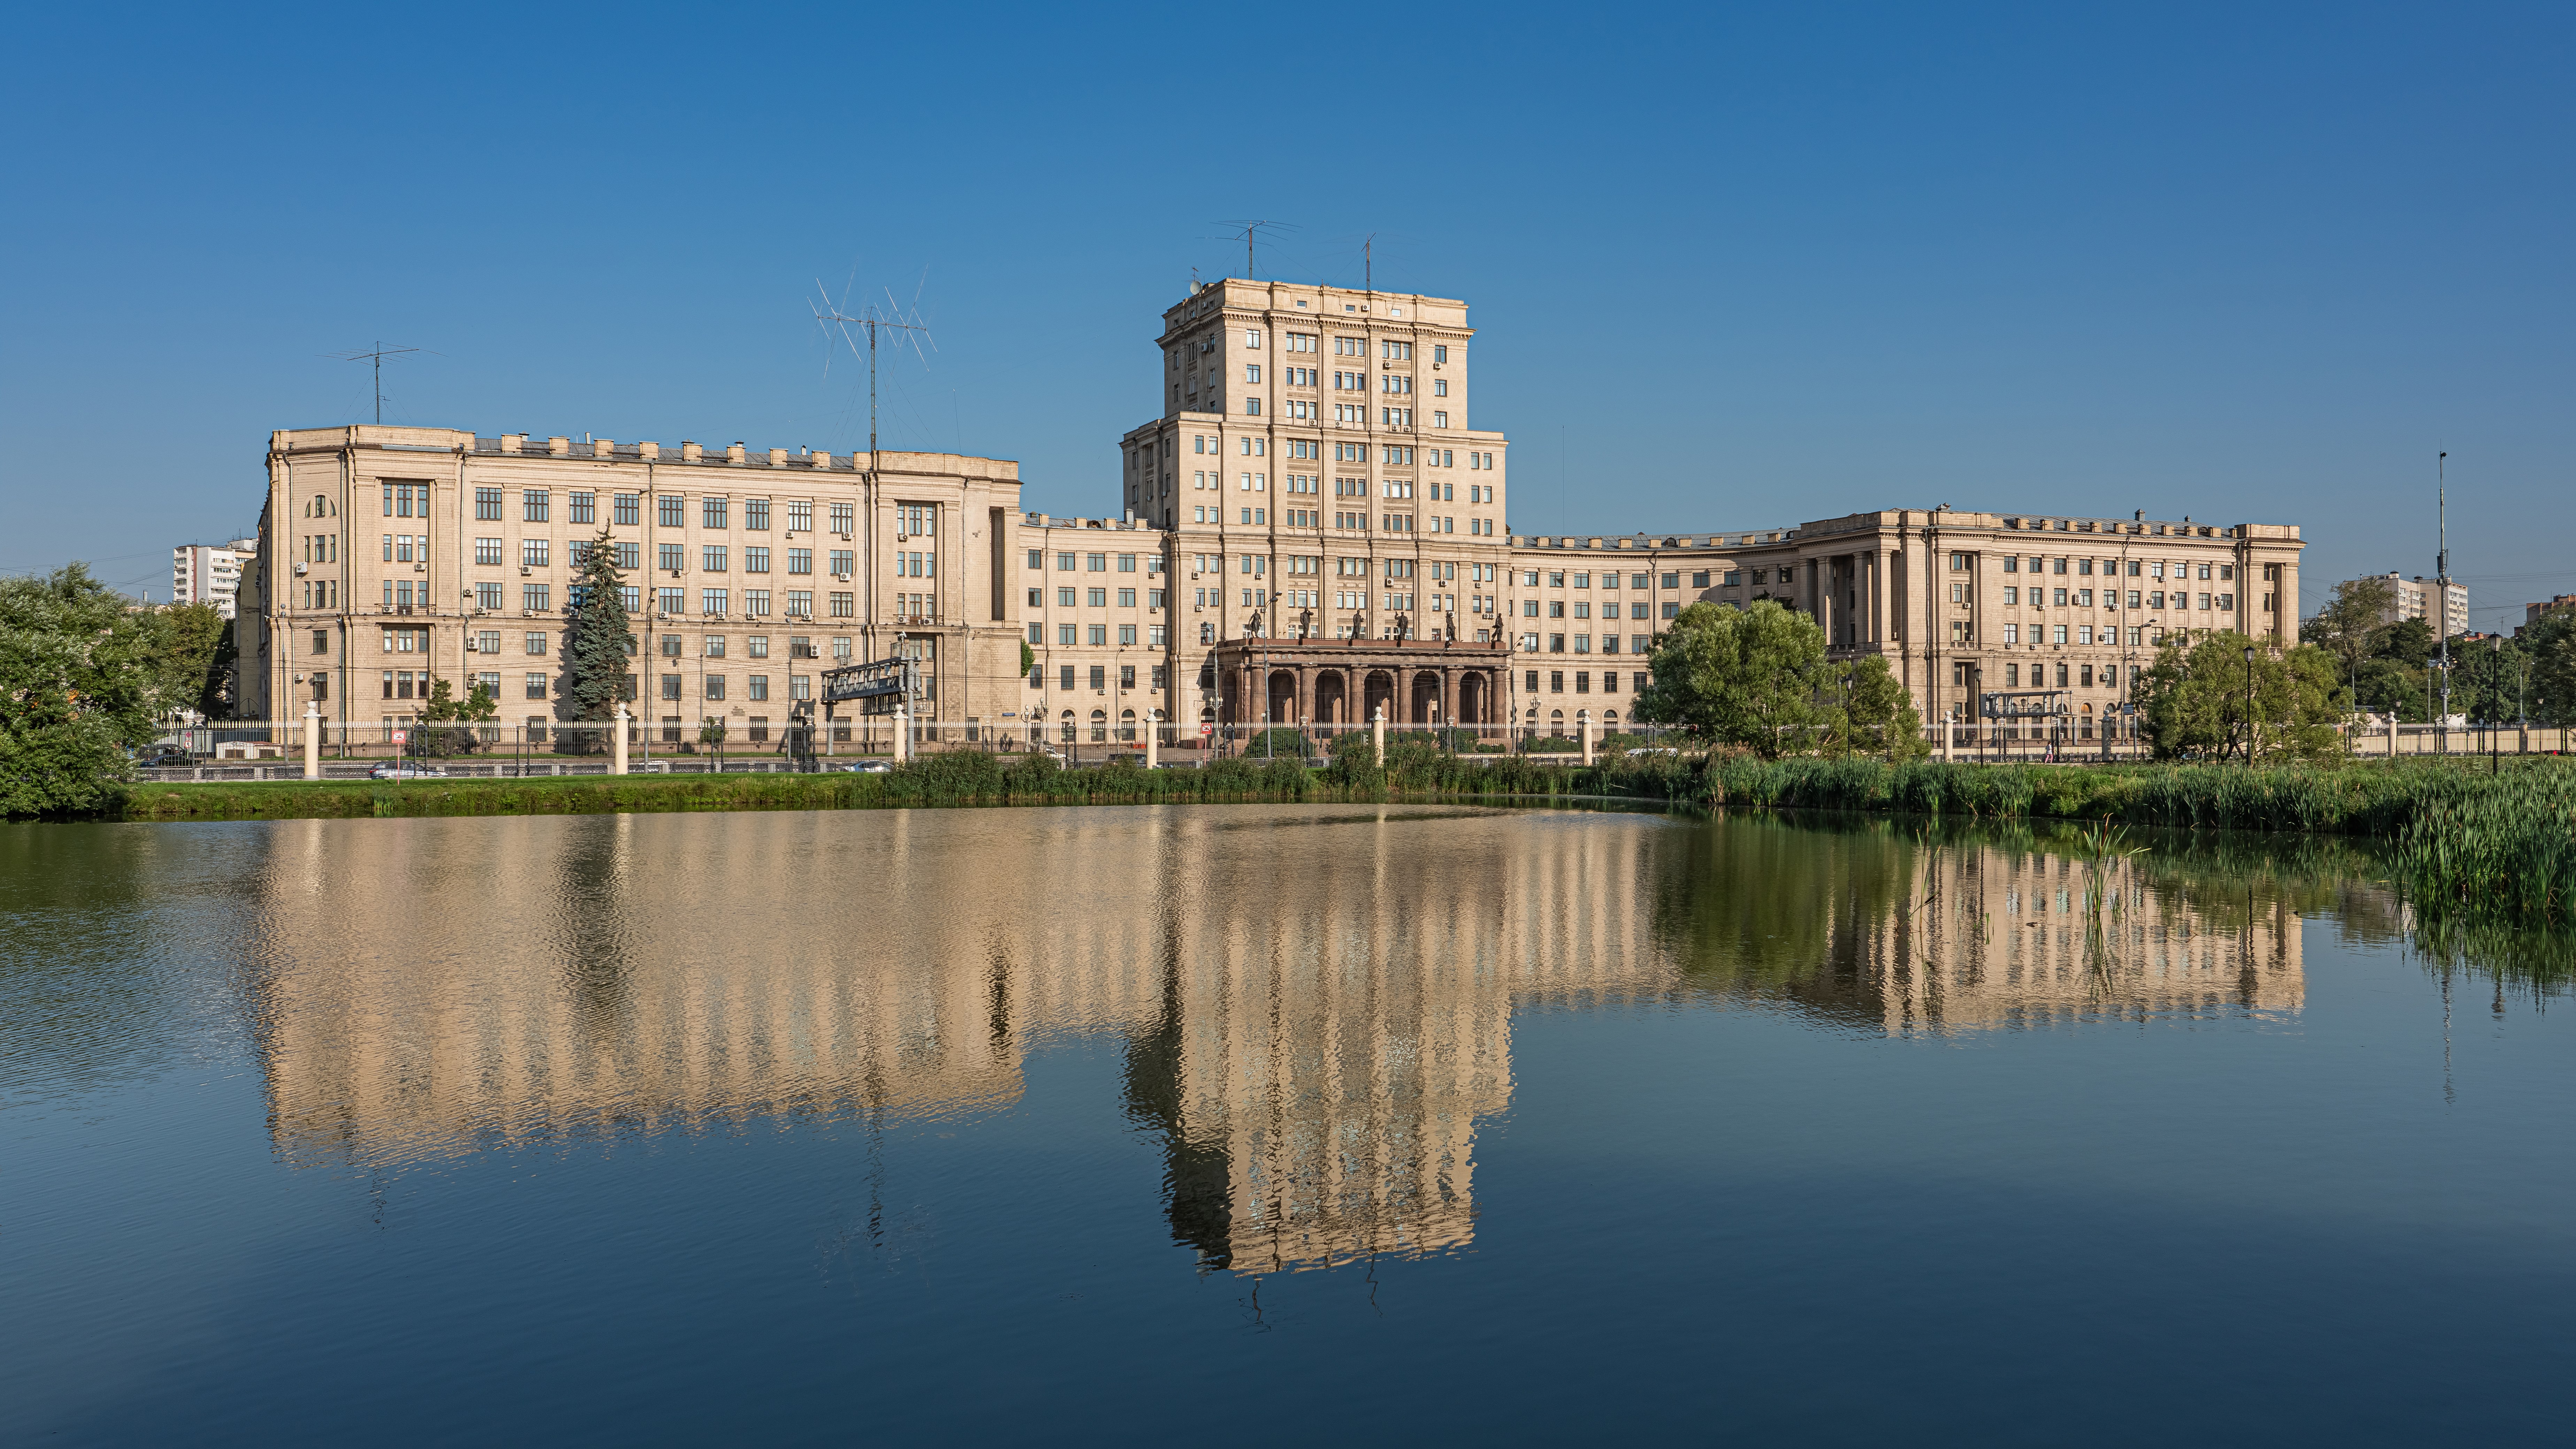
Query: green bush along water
x,y
2460,842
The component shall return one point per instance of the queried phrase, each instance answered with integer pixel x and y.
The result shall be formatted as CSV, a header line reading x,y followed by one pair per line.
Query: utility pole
x,y
2442,581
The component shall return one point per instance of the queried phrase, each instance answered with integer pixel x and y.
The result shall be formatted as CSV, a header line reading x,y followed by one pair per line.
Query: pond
x,y
1263,1125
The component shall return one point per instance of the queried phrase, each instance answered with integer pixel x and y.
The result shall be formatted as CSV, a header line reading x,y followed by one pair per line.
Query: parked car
x,y
166,758
869,767
398,770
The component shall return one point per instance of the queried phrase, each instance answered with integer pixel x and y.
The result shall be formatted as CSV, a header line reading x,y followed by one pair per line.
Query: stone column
x,y
618,744
1377,732
1587,735
312,741
1448,696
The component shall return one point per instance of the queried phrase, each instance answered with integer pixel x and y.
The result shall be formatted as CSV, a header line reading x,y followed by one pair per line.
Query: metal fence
x,y
275,749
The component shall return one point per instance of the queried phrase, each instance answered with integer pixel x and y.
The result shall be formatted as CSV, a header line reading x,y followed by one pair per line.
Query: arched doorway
x,y
1473,705
1421,708
1332,703
1378,692
1283,696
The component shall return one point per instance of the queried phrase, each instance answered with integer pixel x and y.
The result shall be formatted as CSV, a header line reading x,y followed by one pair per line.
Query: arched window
x,y
1609,720
1099,726
1068,727
1556,722
1127,725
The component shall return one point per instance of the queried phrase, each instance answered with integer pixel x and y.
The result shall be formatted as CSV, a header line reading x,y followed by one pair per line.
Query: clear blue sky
x,y
1733,266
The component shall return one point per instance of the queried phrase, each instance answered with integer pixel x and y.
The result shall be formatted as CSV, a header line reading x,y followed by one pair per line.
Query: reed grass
x,y
2462,844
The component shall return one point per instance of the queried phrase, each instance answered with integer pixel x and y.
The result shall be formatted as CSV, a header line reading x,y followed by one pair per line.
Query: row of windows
x,y
1556,644
1583,682
1097,598
1066,677
1070,636
1583,609
2149,568
536,505
2083,598
1097,563
2058,634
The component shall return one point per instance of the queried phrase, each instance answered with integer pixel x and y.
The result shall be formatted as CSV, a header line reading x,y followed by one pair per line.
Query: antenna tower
x,y
377,357
1251,232
829,316
832,318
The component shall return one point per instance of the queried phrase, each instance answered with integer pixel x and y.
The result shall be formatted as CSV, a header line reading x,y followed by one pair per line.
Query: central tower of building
x,y
1314,466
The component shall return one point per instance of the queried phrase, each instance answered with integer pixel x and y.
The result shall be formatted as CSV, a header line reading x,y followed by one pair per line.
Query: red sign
x,y
1206,730
400,736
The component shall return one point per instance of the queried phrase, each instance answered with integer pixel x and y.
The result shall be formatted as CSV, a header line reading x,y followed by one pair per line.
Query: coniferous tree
x,y
597,648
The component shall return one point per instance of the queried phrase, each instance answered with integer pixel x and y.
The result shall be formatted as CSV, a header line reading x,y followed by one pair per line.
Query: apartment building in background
x,y
210,573
1309,531
2445,608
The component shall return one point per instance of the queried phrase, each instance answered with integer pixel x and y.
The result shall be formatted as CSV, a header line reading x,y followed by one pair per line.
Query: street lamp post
x,y
2249,706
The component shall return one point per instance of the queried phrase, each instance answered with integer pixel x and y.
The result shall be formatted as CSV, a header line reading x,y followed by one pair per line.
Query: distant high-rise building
x,y
2445,609
209,573
2534,613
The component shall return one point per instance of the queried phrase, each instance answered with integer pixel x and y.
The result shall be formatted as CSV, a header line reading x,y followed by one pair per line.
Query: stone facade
x,y
1312,481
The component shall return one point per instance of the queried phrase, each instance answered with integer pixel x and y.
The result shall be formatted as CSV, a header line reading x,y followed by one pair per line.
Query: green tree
x,y
2198,701
79,677
598,646
193,659
2549,651
2351,623
1751,677
1867,709
477,707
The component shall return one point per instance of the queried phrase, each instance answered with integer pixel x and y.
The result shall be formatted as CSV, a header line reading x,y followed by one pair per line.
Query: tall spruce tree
x,y
596,657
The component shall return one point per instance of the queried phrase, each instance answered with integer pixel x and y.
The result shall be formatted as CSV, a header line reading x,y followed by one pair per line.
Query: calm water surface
x,y
1256,1125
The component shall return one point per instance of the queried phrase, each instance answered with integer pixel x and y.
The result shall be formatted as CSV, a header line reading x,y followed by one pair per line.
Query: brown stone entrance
x,y
1336,684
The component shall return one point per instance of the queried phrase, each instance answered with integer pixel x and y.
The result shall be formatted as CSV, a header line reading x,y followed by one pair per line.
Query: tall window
x,y
534,506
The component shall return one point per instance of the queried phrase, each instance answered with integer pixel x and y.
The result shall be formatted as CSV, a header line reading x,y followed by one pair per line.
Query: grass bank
x,y
2460,842
2464,839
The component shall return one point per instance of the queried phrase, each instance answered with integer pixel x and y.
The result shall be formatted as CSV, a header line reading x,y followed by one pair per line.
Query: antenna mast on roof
x,y
1250,233
829,316
377,357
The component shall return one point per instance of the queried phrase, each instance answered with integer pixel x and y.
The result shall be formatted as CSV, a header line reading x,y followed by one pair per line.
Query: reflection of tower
x,y
1195,1175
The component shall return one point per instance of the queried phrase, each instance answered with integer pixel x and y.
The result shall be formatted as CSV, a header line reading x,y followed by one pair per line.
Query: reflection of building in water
x,y
1321,1055
417,1000
1317,1002
1879,929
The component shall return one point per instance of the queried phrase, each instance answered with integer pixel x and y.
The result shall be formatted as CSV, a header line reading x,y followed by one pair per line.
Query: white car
x,y
391,770
870,767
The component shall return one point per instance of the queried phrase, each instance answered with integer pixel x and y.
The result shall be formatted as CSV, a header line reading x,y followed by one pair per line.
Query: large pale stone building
x,y
1310,530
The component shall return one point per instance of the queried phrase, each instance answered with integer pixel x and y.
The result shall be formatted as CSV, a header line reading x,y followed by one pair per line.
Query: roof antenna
x,y
1251,231
377,357
1368,263
829,316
